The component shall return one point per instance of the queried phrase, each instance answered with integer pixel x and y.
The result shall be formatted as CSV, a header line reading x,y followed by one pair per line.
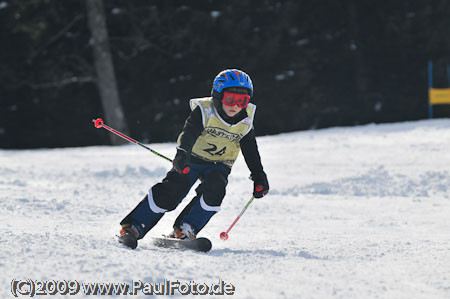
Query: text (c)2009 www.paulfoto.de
x,y
31,287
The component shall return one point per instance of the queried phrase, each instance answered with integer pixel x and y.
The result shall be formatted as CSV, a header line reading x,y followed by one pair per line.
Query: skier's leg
x,y
162,197
142,217
168,194
209,197
187,209
201,170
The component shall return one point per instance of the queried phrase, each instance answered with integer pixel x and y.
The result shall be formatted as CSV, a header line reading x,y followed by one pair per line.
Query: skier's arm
x,y
253,159
193,127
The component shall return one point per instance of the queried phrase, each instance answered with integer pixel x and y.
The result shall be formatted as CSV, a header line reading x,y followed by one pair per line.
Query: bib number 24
x,y
213,150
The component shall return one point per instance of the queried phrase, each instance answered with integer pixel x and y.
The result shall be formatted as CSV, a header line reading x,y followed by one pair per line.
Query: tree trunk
x,y
106,79
360,67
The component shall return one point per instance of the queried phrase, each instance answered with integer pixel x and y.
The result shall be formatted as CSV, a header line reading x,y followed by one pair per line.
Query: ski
x,y
199,244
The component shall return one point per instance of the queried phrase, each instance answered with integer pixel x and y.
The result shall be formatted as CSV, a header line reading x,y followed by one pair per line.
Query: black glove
x,y
182,162
260,185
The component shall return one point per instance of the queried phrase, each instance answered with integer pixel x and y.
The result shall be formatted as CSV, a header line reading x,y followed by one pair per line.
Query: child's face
x,y
231,111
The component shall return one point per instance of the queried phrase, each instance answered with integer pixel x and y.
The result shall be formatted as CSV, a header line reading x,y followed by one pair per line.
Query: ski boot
x,y
184,232
128,236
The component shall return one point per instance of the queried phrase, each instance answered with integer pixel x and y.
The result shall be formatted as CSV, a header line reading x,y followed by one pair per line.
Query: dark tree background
x,y
314,64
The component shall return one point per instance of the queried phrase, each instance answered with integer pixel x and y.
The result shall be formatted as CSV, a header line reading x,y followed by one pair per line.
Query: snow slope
x,y
359,212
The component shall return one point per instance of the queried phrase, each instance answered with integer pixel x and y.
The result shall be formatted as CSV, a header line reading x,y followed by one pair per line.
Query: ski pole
x,y
224,235
98,123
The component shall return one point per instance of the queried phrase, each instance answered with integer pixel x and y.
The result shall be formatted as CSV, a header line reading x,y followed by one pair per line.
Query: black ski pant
x,y
168,194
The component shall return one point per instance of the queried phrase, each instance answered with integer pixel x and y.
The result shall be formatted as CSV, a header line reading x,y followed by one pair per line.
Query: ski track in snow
x,y
358,212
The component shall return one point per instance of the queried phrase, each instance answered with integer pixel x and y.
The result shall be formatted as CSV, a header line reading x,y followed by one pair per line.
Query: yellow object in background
x,y
439,96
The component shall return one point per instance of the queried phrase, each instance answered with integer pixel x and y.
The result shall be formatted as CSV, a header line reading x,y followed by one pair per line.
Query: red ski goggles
x,y
232,99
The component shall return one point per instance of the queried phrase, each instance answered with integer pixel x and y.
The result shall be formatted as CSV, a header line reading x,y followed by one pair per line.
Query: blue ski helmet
x,y
231,78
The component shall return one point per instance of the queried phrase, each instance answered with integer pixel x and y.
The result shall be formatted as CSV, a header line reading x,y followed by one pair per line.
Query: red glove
x,y
182,162
260,185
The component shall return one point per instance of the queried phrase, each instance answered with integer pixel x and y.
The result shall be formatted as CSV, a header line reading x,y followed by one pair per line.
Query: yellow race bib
x,y
219,141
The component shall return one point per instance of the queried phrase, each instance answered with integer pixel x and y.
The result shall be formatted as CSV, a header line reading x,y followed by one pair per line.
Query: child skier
x,y
213,135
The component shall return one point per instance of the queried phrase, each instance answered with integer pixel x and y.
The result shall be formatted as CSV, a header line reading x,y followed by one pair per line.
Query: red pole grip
x,y
100,124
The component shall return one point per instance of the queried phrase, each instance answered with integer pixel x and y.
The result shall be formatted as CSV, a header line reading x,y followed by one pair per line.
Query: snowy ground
x,y
358,212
